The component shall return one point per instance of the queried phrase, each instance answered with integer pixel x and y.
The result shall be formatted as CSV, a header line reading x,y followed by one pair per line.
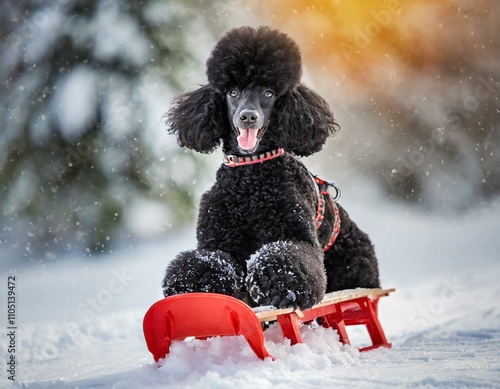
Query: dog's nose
x,y
249,116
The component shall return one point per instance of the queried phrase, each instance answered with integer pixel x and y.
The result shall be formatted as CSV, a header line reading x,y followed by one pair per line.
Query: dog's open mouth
x,y
249,138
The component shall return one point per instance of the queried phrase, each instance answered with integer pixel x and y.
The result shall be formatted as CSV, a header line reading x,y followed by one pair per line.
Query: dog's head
x,y
254,101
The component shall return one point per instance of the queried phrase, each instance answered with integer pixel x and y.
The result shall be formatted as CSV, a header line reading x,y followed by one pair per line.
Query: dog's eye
x,y
268,93
233,93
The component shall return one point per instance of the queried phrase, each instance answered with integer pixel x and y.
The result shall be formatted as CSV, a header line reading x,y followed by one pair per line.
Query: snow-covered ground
x,y
80,320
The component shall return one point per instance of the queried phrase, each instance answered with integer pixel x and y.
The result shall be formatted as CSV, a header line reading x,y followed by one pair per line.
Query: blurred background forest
x,y
86,164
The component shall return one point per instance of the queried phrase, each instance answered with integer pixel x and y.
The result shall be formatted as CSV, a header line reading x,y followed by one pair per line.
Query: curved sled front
x,y
200,315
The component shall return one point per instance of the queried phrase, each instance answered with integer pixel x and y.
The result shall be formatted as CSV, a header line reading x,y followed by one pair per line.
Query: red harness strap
x,y
320,212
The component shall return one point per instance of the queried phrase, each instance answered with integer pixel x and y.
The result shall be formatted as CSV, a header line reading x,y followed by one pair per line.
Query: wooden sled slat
x,y
329,298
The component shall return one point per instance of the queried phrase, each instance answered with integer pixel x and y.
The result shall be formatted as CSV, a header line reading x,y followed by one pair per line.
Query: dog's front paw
x,y
286,274
202,271
277,287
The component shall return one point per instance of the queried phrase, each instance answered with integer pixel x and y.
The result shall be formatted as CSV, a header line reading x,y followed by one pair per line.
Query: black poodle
x,y
266,228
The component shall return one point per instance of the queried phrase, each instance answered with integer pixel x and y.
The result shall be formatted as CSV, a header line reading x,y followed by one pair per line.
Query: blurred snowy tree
x,y
84,157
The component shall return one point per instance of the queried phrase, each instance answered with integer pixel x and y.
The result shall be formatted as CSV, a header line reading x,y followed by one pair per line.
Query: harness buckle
x,y
329,184
338,192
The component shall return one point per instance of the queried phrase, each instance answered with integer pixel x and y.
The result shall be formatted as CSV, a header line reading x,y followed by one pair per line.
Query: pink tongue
x,y
248,138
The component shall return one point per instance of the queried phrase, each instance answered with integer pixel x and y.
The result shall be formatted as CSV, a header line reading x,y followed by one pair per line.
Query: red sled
x,y
202,315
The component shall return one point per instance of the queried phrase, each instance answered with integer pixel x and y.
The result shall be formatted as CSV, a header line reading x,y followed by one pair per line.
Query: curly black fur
x,y
256,234
302,122
246,56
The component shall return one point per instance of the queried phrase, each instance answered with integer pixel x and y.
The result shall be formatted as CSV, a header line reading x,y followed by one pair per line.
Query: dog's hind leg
x,y
351,261
202,271
286,274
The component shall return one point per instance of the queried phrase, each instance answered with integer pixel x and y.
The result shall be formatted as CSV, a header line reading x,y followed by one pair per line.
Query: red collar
x,y
233,160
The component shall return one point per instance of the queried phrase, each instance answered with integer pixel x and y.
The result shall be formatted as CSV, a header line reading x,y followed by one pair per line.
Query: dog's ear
x,y
303,120
198,119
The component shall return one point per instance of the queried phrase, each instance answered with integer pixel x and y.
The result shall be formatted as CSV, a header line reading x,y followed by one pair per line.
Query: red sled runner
x,y
202,315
